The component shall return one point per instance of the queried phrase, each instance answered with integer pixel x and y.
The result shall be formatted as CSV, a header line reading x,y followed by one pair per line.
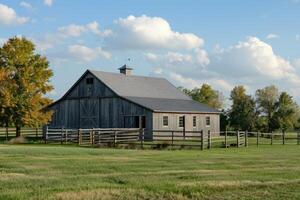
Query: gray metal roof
x,y
156,94
172,105
140,86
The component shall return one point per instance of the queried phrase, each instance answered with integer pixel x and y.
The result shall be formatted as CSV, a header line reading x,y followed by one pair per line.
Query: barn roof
x,y
156,94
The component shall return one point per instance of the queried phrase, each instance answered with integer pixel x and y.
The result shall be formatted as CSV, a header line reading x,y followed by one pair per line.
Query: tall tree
x,y
287,114
266,99
31,74
5,98
242,113
207,95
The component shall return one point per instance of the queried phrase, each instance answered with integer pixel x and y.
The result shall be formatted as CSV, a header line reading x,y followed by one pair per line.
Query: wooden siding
x,y
174,122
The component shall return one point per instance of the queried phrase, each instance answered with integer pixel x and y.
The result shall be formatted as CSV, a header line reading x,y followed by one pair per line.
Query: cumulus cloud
x,y
150,33
251,58
251,62
272,36
84,53
8,16
48,2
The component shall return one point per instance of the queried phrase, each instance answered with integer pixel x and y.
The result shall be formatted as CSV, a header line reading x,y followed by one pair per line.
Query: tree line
x,y
267,110
24,82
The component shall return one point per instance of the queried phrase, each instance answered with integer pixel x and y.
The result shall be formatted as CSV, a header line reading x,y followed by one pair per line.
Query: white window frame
x,y
195,118
163,120
179,121
206,121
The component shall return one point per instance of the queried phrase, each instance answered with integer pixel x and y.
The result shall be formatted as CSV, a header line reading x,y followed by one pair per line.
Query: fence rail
x,y
158,139
31,133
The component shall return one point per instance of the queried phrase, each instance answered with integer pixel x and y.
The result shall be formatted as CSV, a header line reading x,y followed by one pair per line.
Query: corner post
x,y
246,138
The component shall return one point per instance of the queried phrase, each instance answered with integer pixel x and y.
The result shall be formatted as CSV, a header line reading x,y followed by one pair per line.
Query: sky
x,y
190,42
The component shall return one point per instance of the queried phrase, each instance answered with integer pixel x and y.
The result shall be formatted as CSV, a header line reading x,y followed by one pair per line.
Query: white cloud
x,y
150,33
83,53
25,5
48,2
272,36
251,58
75,30
71,30
8,16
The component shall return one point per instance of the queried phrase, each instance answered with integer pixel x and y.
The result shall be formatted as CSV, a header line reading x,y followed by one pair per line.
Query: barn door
x,y
89,113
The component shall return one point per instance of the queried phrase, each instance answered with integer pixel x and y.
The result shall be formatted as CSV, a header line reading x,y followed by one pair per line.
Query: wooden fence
x,y
168,138
30,133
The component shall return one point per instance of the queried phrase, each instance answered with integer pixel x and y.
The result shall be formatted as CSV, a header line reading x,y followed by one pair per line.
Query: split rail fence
x,y
167,138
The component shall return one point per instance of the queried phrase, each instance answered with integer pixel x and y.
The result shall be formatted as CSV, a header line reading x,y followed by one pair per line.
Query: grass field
x,y
70,172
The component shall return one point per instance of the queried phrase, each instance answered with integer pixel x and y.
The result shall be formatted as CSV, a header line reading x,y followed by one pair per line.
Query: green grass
x,y
70,172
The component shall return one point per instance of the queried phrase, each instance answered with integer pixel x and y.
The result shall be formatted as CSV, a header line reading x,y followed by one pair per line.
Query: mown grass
x,y
70,172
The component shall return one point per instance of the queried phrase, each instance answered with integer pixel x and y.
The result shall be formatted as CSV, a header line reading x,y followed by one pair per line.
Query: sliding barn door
x,y
89,113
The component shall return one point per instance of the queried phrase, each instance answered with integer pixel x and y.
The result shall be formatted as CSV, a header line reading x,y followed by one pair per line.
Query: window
x,y
89,81
181,122
194,121
165,121
207,121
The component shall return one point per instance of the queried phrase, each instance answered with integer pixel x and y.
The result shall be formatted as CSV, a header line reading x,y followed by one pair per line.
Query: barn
x,y
122,100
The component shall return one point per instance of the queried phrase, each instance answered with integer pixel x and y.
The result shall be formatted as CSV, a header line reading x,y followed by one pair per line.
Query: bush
x,y
18,140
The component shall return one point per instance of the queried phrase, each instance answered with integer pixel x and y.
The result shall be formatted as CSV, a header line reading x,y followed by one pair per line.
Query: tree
x,y
287,114
207,95
5,98
266,99
31,75
242,113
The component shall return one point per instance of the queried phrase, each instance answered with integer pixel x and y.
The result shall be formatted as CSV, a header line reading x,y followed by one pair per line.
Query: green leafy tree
x,y
242,113
206,95
31,75
266,99
287,113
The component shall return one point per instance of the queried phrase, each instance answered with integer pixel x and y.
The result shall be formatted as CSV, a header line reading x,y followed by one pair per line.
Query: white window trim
x,y
178,120
163,120
195,123
209,121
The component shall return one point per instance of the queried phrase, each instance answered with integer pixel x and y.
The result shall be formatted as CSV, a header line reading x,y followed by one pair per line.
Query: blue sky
x,y
223,43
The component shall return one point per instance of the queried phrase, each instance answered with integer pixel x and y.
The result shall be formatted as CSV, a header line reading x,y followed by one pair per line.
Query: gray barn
x,y
122,100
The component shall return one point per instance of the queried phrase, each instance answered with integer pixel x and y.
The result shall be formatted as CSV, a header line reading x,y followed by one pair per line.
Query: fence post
x,y
62,135
6,133
237,139
66,136
283,137
172,139
271,137
36,133
46,135
115,138
208,139
79,137
246,138
298,140
225,138
257,136
142,137
202,139
92,137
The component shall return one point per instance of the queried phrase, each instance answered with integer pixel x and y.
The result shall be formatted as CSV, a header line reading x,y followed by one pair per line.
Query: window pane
x,y
165,121
207,121
194,121
181,121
